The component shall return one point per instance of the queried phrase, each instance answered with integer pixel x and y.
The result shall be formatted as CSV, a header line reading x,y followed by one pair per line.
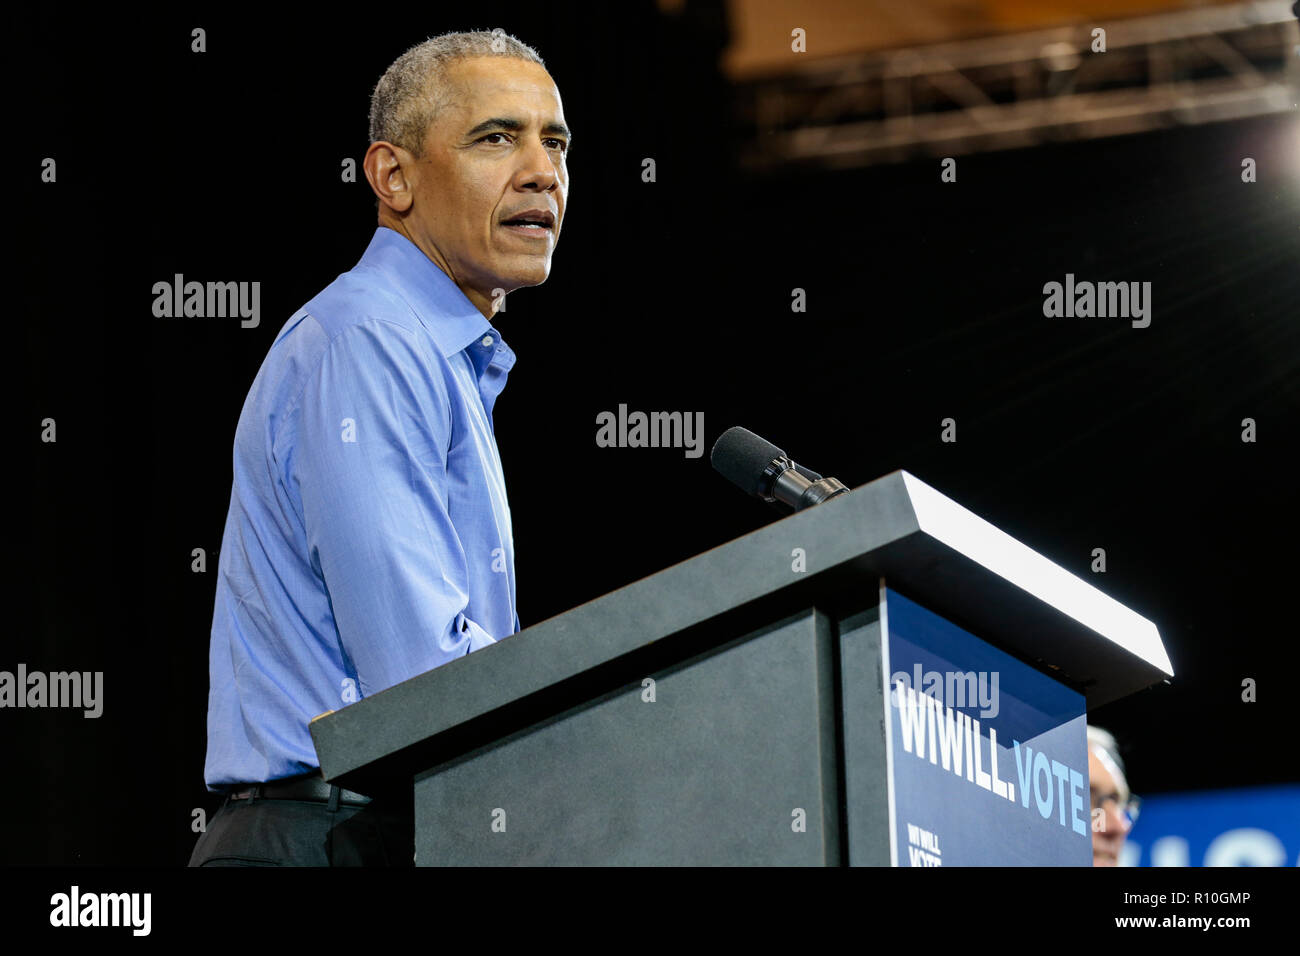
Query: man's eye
x,y
556,143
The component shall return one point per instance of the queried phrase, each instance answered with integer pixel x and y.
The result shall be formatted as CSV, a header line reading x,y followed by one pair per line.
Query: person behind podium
x,y
368,537
1114,808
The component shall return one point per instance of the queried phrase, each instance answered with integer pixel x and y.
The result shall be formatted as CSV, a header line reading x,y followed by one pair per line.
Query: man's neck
x,y
484,303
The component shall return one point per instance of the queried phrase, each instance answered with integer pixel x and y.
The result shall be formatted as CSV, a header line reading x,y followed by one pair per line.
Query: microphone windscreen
x,y
741,457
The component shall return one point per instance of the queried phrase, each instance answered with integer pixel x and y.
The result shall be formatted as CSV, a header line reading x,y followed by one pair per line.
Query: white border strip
x,y
886,670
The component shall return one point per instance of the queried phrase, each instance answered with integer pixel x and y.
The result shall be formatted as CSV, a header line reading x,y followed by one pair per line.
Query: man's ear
x,y
388,170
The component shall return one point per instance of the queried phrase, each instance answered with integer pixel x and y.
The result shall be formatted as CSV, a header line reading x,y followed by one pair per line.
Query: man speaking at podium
x,y
368,538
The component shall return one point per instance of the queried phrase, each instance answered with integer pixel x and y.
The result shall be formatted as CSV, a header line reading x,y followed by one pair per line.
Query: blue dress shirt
x,y
368,538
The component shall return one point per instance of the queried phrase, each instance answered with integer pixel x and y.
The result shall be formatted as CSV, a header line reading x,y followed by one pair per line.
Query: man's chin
x,y
1104,859
523,280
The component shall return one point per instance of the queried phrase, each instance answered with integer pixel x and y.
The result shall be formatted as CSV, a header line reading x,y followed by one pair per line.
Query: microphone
x,y
765,471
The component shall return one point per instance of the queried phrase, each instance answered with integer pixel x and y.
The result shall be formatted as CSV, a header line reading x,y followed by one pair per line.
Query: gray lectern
x,y
742,707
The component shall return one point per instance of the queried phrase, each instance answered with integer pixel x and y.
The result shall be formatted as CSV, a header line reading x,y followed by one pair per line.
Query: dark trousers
x,y
263,831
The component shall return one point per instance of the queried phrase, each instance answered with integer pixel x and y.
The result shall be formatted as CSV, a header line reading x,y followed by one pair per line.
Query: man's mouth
x,y
532,224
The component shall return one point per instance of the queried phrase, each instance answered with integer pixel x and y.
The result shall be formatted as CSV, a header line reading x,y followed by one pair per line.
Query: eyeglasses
x,y
1128,810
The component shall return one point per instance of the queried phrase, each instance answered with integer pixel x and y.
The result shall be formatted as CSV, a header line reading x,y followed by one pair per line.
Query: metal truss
x,y
1192,66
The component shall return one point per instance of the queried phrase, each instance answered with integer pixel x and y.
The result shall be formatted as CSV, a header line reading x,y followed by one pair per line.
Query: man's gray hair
x,y
1103,740
413,89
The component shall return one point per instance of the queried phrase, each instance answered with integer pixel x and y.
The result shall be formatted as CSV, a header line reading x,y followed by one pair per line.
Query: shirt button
x,y
487,341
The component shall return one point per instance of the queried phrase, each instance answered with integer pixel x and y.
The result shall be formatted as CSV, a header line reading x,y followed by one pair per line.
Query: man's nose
x,y
1115,821
538,170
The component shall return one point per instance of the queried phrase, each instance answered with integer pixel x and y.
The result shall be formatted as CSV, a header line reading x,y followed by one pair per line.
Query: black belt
x,y
310,787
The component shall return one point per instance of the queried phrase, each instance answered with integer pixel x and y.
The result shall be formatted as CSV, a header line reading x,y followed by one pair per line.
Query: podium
x,y
885,678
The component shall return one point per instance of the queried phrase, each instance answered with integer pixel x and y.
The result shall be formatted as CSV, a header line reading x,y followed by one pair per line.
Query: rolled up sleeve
x,y
369,466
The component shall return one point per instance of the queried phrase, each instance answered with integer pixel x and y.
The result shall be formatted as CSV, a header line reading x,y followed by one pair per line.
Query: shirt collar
x,y
452,320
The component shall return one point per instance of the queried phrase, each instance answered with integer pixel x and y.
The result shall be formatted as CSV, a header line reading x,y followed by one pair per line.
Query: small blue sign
x,y
1254,826
988,756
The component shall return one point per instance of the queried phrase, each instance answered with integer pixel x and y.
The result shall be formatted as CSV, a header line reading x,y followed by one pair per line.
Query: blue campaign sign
x,y
987,756
1254,826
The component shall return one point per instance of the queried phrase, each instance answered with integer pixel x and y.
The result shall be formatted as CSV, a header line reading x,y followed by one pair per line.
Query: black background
x,y
924,301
